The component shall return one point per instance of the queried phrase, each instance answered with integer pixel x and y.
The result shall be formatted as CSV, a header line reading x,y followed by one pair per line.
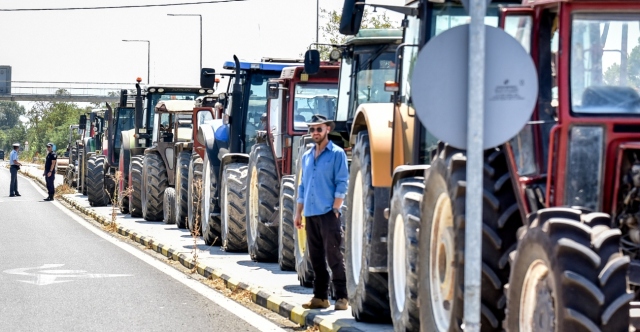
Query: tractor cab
x,y
294,98
173,125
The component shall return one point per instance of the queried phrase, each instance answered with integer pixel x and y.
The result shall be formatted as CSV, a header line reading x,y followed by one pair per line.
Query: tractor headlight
x,y
584,167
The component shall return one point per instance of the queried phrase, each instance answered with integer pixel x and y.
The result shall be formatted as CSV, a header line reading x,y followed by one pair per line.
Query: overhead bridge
x,y
89,92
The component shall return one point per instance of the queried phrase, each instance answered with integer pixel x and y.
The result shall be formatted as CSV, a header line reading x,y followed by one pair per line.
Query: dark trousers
x,y
13,186
50,189
324,238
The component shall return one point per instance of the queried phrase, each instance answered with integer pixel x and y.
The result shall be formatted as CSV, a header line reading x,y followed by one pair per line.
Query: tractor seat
x,y
614,98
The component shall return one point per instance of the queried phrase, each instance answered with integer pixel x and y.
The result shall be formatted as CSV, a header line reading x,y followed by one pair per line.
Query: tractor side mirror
x,y
311,62
222,96
207,78
82,124
272,90
351,17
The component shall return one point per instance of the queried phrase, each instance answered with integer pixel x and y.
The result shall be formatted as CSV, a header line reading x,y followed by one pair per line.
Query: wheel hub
x,y
537,307
399,263
442,269
357,227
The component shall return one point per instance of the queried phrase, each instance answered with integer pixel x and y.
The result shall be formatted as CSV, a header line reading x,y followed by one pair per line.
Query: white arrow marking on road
x,y
48,277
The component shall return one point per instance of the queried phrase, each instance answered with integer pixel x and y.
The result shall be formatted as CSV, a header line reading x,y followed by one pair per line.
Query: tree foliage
x,y
612,74
331,31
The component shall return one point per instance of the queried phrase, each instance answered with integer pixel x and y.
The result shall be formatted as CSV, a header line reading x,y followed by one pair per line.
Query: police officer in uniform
x,y
15,166
50,171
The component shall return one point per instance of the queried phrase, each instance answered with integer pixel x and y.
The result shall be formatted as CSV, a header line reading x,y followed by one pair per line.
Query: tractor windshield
x,y
154,98
124,121
255,86
373,69
605,63
449,15
313,98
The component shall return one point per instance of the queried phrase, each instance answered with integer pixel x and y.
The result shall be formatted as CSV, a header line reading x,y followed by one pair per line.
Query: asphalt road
x,y
57,274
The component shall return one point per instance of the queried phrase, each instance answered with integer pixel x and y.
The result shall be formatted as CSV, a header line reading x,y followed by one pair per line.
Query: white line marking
x,y
244,313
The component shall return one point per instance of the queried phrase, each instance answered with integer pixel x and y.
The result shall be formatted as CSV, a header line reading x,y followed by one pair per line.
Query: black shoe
x,y
48,199
18,195
12,195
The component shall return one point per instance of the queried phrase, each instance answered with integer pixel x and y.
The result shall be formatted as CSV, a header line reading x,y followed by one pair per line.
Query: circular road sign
x,y
441,75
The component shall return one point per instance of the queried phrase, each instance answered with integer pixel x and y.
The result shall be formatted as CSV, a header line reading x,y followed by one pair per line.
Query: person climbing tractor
x,y
324,184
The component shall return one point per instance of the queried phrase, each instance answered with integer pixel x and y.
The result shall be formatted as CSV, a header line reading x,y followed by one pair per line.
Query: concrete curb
x,y
293,312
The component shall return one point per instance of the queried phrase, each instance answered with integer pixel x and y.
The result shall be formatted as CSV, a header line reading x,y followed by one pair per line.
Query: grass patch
x,y
64,189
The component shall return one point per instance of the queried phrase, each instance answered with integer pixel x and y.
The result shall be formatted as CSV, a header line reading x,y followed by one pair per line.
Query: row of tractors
x,y
560,200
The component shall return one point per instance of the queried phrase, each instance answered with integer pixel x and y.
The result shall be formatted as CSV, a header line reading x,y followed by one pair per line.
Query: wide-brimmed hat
x,y
321,119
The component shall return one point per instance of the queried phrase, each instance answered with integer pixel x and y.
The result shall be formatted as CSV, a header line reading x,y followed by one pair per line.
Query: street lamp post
x,y
148,55
200,31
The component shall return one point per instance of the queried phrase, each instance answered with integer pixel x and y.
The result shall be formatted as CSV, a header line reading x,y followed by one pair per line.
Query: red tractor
x,y
560,200
292,100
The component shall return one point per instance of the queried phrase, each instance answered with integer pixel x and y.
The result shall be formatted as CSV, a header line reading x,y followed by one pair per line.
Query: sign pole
x,y
475,159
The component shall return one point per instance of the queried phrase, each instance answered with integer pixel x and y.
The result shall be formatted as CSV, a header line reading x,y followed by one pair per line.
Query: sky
x,y
87,46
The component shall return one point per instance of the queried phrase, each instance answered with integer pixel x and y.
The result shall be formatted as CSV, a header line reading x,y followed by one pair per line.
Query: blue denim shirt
x,y
323,179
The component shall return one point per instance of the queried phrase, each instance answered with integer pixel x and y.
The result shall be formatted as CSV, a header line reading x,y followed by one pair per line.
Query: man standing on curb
x,y
15,166
324,184
50,171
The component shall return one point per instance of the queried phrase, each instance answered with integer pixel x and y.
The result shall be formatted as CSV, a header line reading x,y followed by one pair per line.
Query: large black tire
x,y
233,204
195,195
168,206
262,203
572,275
403,252
135,198
79,172
210,221
123,181
156,182
304,269
441,266
368,291
85,171
181,207
286,255
96,186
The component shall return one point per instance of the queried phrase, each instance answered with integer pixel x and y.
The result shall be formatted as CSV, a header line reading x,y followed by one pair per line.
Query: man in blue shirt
x,y
324,184
15,166
50,171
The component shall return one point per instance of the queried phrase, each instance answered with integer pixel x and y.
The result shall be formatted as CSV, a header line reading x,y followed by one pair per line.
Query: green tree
x,y
612,74
10,113
331,31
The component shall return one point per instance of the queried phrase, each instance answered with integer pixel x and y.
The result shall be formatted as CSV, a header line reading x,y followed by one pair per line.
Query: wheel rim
x,y
399,263
206,201
223,210
537,312
357,227
442,272
254,204
301,233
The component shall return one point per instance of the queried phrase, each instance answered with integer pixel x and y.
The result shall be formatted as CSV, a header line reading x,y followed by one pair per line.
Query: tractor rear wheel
x,y
195,194
123,179
81,155
402,249
262,192
286,255
156,182
181,207
168,205
568,275
367,290
85,171
210,222
233,205
441,263
135,175
96,186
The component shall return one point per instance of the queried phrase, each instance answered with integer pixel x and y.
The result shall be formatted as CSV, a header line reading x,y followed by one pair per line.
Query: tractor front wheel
x,y
210,221
181,207
96,186
156,183
135,183
286,255
568,276
233,205
195,194
262,192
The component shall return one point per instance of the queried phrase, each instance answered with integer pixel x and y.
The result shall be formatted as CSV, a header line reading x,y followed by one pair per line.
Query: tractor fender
x,y
378,119
183,146
407,171
229,158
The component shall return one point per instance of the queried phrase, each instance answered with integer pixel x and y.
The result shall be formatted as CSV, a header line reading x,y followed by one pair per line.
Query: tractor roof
x,y
176,105
375,36
260,65
326,71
